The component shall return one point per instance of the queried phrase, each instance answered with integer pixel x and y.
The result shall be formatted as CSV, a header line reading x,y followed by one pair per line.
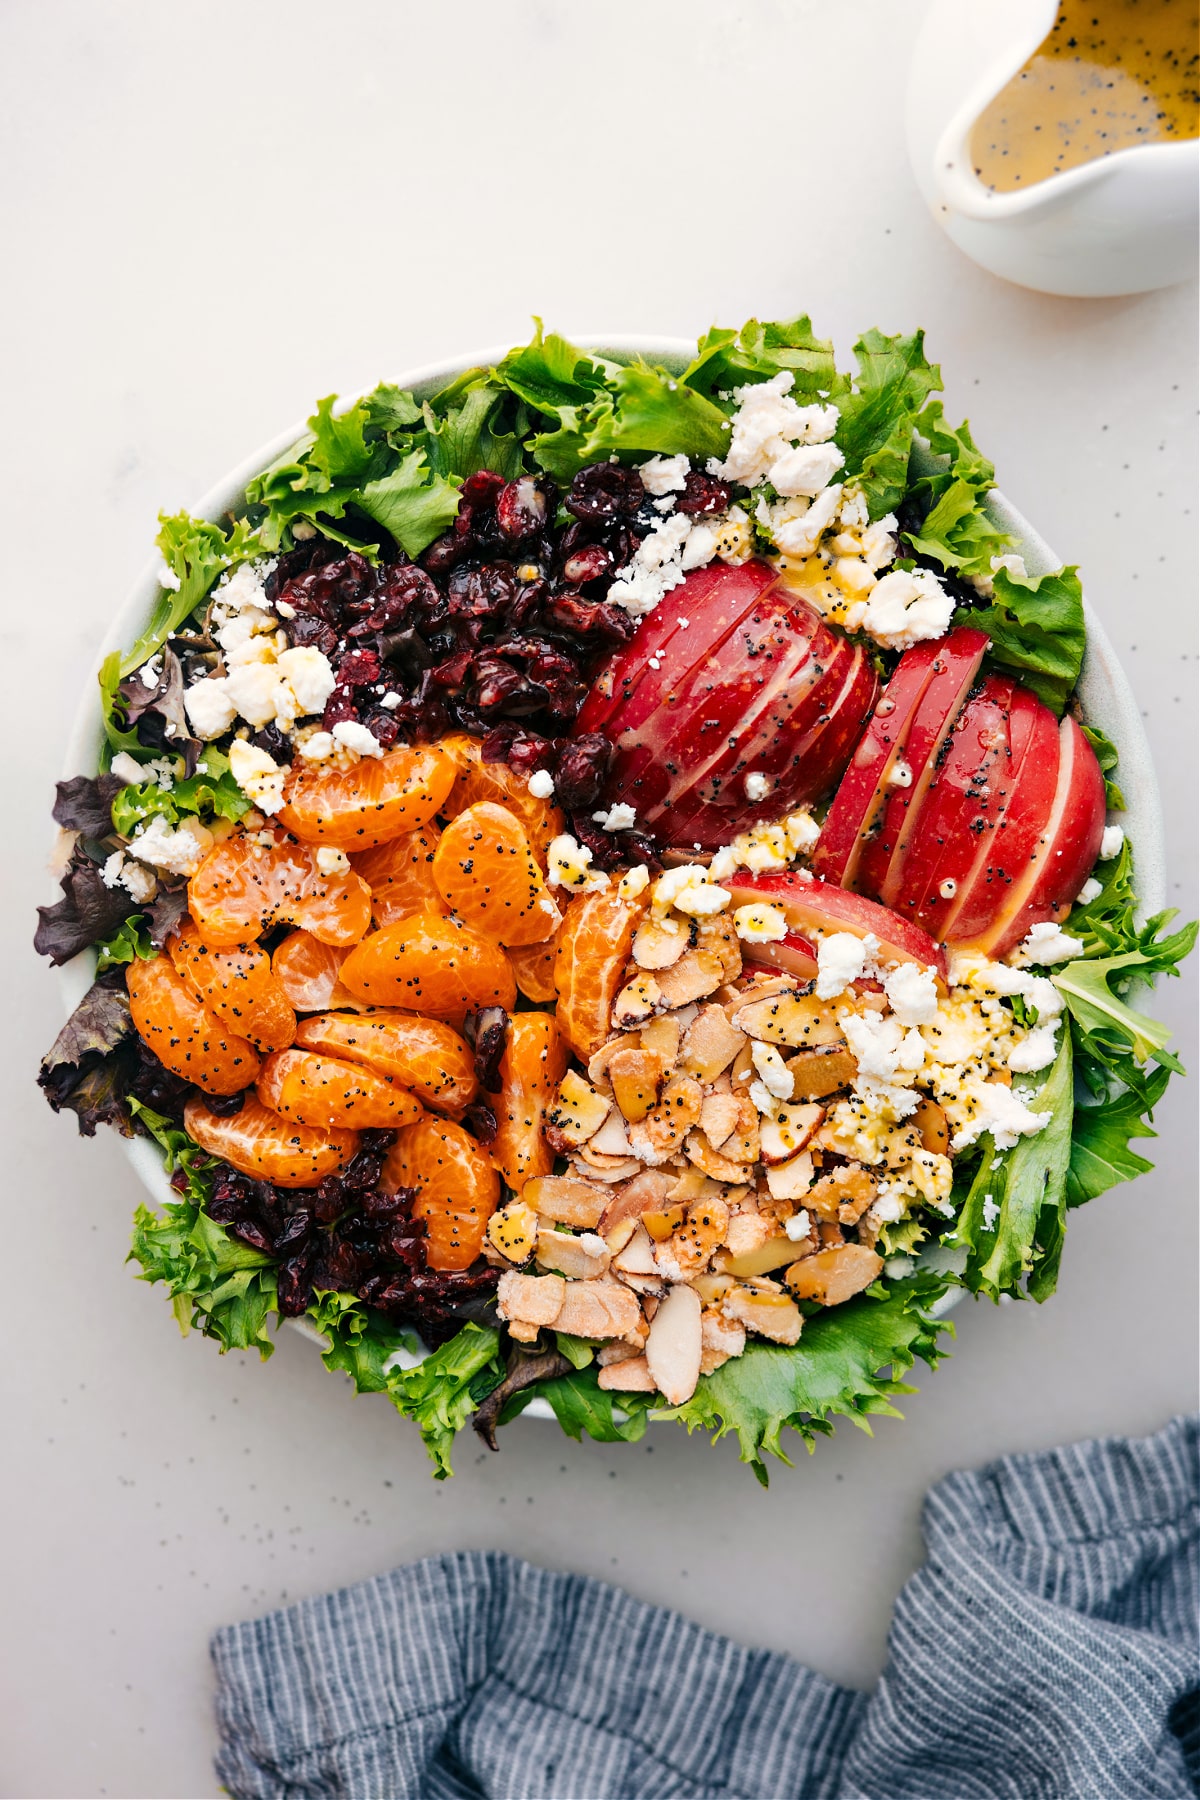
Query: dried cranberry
x,y
358,668
482,487
443,553
589,563
225,1105
297,1229
521,507
487,1032
383,726
592,618
522,750
703,494
453,672
308,629
338,708
604,490
272,740
581,770
293,1285
497,684
480,1121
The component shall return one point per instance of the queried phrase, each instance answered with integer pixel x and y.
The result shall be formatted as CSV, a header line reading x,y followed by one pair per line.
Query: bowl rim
x,y
1103,686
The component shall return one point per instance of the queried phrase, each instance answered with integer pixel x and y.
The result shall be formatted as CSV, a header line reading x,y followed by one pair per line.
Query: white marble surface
x,y
215,212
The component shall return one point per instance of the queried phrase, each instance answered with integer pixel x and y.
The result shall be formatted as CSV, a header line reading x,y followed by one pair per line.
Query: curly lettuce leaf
x,y
1106,756
1100,1153
1107,1020
84,804
835,1371
412,502
360,1341
131,941
442,1392
956,531
878,415
468,435
211,793
1014,1216
727,359
643,412
1036,626
582,1406
390,408
552,376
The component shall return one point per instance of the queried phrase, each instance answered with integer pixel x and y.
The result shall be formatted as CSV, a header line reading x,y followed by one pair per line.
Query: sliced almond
x,y
615,1351
719,934
792,1179
598,1064
612,1139
720,1339
844,1194
775,1252
748,1231
820,1072
647,1192
710,1162
771,1315
631,1376
933,1127
834,1275
712,1289
636,1075
690,1248
759,989
660,1224
697,974
742,1071
795,1019
662,1036
603,1308
594,1166
650,1286
718,1116
709,1045
619,1236
659,943
743,1143
674,1344
512,1230
531,1300
691,1186
636,1002
580,1258
637,1257
786,1130
566,1201
577,1114
663,1130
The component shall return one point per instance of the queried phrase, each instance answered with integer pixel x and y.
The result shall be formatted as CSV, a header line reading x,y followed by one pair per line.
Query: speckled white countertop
x,y
213,214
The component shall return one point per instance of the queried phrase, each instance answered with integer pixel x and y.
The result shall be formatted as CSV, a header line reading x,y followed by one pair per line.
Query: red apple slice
x,y
1062,861
712,600
955,670
859,803
1033,737
820,907
961,810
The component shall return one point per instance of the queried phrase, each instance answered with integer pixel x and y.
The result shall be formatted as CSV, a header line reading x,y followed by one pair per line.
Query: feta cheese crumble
x,y
906,607
1110,843
766,427
756,786
912,994
331,861
356,737
633,882
841,959
257,774
1087,893
1045,945
665,474
541,784
620,817
569,866
175,852
760,923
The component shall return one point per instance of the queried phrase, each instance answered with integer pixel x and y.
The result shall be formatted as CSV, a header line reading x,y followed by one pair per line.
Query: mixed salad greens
x,y
383,479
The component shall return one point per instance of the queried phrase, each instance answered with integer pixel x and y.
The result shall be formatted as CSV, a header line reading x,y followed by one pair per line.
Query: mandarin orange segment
x,y
593,949
185,1036
376,799
309,972
429,964
325,1091
258,1142
426,1056
486,873
457,1188
533,1064
400,876
495,781
243,888
533,966
236,984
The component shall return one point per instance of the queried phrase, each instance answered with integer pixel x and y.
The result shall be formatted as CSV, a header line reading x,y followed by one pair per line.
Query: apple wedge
x,y
819,908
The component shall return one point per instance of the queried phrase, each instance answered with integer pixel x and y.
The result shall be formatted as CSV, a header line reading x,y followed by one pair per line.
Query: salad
x,y
602,889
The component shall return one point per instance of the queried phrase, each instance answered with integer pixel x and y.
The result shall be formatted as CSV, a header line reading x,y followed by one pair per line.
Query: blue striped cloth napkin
x,y
1047,1650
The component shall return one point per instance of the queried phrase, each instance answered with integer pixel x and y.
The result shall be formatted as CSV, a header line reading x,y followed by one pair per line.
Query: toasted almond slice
x,y
710,1162
632,1376
577,1114
579,1258
598,1064
761,988
612,1139
636,1075
691,1186
709,1045
796,1019
602,1308
662,1036
659,943
647,1192
775,1252
674,1344
687,1251
820,1072
748,1231
531,1300
720,1339
743,1143
568,1202
933,1126
619,1236
850,1185
617,1350
792,1179
593,1165
712,1289
718,1116
771,1315
661,1223
719,934
697,974
513,1231
637,1257
663,1130
743,1071
636,1002
786,1130
835,1275
651,1286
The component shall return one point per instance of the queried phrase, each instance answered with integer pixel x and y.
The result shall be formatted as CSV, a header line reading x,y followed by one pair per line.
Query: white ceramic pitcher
x,y
1119,225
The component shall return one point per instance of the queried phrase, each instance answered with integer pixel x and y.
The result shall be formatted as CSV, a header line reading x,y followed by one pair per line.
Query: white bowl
x,y
1107,697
